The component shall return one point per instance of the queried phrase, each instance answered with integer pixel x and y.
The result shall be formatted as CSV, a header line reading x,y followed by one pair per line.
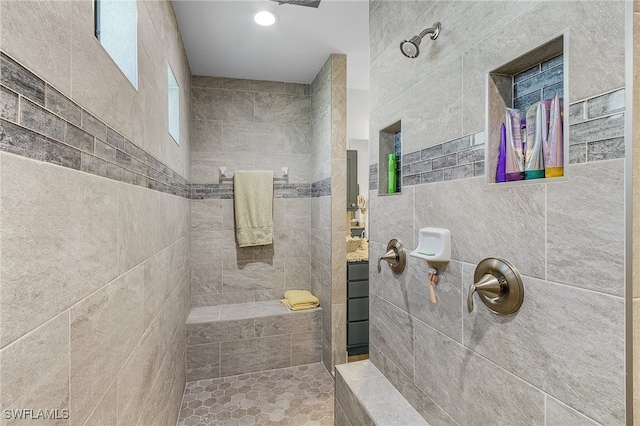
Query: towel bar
x,y
283,175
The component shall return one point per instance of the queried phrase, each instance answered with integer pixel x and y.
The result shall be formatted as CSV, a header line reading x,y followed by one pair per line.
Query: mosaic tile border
x,y
321,188
225,191
457,159
596,133
38,122
596,128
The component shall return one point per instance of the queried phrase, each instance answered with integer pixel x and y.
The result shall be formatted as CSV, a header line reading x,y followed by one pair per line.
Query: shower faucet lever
x,y
488,286
395,257
390,256
499,286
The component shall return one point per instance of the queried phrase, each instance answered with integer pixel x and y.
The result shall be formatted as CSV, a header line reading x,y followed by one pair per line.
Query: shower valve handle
x,y
488,286
395,256
390,256
499,286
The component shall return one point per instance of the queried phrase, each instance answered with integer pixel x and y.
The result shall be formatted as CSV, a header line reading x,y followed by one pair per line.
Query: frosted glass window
x,y
116,24
174,107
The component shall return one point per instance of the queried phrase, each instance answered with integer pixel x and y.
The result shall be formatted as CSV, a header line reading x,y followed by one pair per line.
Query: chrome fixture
x,y
410,49
499,286
395,256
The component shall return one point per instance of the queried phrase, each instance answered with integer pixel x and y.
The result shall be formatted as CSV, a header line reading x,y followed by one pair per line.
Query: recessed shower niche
x,y
389,160
514,92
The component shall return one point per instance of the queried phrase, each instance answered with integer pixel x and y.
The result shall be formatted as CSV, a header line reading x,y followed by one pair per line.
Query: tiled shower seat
x,y
242,338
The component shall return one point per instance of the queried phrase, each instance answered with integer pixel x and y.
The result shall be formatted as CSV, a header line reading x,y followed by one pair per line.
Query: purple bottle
x,y
502,156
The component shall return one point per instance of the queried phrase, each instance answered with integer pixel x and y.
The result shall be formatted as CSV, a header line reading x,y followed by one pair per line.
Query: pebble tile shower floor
x,y
301,395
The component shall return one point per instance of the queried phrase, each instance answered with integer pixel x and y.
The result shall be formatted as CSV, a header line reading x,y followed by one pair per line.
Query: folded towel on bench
x,y
297,300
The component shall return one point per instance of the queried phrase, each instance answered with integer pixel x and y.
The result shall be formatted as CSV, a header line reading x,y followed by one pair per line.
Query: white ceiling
x,y
222,40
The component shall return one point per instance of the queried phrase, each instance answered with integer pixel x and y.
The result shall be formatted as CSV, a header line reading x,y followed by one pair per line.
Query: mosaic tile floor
x,y
301,395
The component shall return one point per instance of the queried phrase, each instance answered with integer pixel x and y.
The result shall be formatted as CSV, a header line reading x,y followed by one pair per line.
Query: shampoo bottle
x,y
537,130
514,157
553,149
392,174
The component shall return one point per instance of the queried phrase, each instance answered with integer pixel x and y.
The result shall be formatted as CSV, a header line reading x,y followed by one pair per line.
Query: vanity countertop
x,y
361,254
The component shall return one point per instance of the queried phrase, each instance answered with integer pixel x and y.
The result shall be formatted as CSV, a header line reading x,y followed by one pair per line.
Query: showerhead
x,y
410,48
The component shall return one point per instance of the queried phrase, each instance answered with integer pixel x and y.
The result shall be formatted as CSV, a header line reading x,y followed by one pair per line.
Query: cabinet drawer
x,y
358,309
357,333
358,271
357,289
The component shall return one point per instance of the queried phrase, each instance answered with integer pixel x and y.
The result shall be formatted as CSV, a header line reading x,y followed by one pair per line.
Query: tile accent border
x,y
457,159
224,191
596,128
596,133
373,176
38,122
322,188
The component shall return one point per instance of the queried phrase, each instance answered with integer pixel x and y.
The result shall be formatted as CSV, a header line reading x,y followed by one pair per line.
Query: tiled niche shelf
x,y
519,83
390,142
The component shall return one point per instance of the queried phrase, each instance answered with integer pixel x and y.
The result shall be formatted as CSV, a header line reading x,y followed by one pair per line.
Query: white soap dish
x,y
434,245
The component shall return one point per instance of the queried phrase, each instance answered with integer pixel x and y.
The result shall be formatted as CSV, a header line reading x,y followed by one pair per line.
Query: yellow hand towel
x,y
297,300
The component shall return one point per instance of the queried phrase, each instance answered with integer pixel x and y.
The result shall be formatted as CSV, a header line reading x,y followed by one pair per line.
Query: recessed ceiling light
x,y
265,18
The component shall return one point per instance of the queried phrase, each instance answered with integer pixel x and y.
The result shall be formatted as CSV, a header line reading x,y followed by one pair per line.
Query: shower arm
x,y
434,31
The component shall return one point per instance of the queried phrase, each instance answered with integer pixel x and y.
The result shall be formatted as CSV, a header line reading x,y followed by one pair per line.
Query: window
x,y
116,27
174,106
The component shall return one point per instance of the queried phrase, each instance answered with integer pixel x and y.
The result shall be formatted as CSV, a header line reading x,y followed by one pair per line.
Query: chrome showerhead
x,y
410,48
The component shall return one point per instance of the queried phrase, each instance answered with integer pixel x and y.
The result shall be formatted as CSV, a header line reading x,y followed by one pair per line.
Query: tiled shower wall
x,y
560,359
328,228
248,125
95,246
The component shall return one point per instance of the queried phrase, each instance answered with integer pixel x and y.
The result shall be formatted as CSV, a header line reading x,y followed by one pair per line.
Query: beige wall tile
x,y
297,273
38,34
253,138
559,414
138,374
206,135
225,105
306,348
551,358
249,355
35,369
58,239
511,400
60,231
157,284
156,410
584,214
105,328
149,222
106,412
483,224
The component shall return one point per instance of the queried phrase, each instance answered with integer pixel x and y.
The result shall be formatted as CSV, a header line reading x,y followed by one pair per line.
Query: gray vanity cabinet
x,y
357,308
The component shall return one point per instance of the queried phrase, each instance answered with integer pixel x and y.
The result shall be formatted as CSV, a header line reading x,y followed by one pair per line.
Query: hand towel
x,y
297,300
253,201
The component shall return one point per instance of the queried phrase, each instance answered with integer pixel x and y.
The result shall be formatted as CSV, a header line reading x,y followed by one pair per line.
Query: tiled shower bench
x,y
363,396
227,340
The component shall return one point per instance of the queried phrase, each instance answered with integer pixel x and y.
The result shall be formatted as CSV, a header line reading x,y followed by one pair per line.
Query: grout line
x,y
546,232
69,364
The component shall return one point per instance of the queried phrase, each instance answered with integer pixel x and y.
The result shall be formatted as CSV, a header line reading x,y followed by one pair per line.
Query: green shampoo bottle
x,y
392,174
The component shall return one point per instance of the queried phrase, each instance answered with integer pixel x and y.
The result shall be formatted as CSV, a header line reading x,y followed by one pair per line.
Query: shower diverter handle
x,y
488,286
499,286
395,256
